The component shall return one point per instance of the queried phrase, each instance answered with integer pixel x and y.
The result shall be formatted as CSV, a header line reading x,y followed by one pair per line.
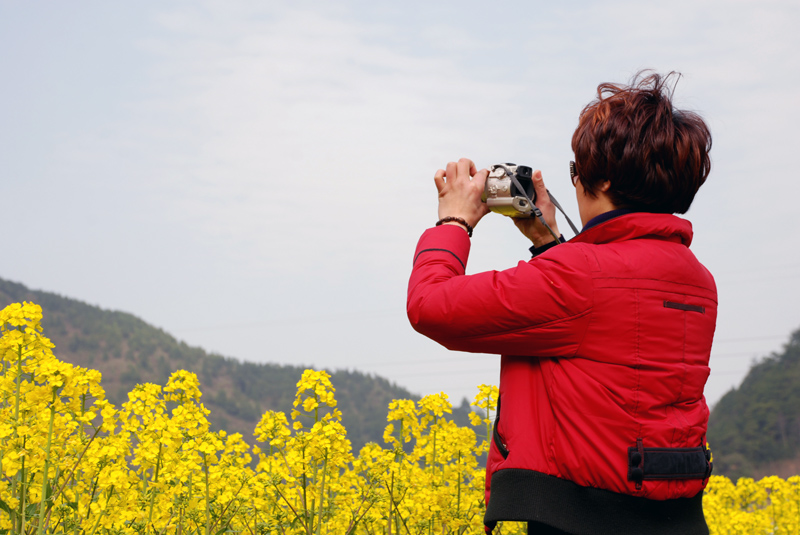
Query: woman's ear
x,y
604,187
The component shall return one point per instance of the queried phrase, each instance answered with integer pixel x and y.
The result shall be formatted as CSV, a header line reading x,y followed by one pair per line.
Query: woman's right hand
x,y
532,228
460,187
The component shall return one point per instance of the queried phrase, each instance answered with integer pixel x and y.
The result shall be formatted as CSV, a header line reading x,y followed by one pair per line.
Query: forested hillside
x,y
754,430
127,351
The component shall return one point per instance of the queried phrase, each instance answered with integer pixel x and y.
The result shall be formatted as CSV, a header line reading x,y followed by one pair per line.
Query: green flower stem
x,y
18,381
458,500
166,525
155,480
227,506
208,505
43,499
305,494
433,463
311,513
302,520
391,504
95,483
322,493
400,516
71,473
23,492
15,491
103,512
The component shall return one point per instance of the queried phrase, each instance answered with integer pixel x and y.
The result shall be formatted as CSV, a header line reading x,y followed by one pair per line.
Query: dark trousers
x,y
535,528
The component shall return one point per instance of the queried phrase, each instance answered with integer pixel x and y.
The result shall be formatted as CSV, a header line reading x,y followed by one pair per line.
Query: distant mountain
x,y
128,351
754,430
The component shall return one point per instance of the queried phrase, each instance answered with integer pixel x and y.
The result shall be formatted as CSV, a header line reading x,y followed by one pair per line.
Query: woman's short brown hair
x,y
655,157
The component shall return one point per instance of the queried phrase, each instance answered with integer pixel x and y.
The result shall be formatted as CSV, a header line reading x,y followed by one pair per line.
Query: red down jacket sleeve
x,y
538,308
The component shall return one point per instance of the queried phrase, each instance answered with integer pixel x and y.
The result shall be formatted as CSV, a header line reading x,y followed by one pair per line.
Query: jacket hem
x,y
529,496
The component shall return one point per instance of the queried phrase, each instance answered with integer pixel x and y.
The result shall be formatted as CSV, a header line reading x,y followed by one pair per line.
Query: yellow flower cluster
x,y
771,505
72,463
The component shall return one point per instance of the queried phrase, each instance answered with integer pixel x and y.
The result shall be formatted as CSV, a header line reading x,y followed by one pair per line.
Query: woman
x,y
605,339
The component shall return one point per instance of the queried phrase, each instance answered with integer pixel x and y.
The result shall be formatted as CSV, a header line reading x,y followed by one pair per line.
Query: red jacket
x,y
605,343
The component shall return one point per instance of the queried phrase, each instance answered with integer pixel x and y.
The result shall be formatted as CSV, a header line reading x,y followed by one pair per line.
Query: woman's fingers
x,y
462,169
460,186
452,171
539,187
480,177
466,168
438,179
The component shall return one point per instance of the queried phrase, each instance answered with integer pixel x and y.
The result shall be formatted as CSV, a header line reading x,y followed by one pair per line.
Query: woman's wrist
x,y
540,236
536,250
544,240
458,221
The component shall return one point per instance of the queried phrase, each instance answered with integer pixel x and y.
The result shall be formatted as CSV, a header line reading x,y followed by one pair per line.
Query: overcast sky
x,y
252,177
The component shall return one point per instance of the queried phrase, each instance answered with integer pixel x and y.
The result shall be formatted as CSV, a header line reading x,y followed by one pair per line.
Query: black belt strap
x,y
668,463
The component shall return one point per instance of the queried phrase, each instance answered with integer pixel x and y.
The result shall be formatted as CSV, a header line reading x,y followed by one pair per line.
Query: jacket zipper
x,y
498,440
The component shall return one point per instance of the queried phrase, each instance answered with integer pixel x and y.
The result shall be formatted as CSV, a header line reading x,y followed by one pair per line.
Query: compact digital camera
x,y
509,190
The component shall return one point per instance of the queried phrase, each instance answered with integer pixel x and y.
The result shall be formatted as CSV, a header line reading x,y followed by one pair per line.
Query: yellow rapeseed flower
x,y
154,465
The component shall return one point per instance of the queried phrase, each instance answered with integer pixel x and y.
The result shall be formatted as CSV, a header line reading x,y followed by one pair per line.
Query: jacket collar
x,y
637,225
602,218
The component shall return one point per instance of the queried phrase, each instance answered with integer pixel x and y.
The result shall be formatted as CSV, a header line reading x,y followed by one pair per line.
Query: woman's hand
x,y
532,228
460,188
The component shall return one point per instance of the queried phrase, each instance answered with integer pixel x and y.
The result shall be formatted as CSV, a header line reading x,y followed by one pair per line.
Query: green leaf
x,y
4,506
48,491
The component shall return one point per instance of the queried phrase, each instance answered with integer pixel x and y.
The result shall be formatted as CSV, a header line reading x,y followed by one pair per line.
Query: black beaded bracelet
x,y
456,220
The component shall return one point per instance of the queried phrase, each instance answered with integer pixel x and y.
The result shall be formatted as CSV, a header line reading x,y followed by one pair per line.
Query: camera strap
x,y
557,205
536,211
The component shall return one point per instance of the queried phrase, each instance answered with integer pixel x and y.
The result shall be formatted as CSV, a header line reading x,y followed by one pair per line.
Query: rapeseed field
x,y
73,463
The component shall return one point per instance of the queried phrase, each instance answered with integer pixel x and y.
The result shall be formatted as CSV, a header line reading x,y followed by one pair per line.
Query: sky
x,y
252,177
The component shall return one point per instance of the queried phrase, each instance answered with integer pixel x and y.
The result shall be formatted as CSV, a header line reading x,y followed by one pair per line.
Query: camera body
x,y
502,194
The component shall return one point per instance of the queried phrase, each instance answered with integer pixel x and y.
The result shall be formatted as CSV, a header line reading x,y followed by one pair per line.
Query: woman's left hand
x,y
460,188
532,228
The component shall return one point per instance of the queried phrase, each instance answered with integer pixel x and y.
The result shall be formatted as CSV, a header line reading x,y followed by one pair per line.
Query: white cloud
x,y
297,122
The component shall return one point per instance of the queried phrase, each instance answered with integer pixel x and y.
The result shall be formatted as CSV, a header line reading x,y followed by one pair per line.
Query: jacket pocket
x,y
498,440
